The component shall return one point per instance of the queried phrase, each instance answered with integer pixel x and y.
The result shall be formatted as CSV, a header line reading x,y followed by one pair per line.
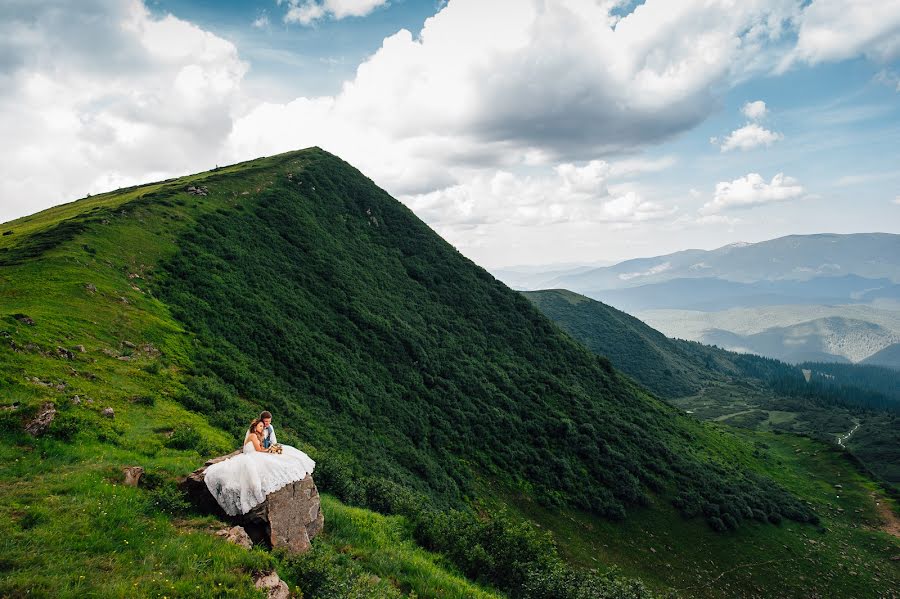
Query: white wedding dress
x,y
242,482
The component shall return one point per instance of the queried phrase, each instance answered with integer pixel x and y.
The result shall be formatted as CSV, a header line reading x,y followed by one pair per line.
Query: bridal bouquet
x,y
275,448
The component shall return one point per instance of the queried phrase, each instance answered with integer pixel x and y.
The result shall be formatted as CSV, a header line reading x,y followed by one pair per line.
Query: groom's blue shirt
x,y
268,433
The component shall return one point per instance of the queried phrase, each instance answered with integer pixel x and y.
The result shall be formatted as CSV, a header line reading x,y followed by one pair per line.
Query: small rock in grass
x,y
133,475
90,288
236,535
109,412
274,587
24,319
80,349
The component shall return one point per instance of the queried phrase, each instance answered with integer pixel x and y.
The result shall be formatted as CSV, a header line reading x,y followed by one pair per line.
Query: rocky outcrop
x,y
42,421
289,518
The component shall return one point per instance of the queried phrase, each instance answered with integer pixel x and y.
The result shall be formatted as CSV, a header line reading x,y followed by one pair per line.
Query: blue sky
x,y
524,132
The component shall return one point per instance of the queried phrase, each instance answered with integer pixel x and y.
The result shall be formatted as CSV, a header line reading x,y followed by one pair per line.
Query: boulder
x,y
289,517
42,421
108,412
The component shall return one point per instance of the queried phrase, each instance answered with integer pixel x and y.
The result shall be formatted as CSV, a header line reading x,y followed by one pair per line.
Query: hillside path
x,y
842,438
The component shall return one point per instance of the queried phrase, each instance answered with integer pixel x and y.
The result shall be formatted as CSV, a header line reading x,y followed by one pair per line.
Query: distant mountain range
x,y
792,258
707,296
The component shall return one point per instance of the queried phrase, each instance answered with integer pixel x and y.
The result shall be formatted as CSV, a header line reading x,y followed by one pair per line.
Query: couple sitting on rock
x,y
242,482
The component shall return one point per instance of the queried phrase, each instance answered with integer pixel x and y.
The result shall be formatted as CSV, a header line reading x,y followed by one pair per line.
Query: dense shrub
x,y
323,572
184,436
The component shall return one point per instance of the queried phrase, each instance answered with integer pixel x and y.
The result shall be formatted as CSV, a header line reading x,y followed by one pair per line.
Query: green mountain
x,y
824,400
425,389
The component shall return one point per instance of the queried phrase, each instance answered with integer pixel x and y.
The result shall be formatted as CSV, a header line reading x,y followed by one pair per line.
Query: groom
x,y
268,432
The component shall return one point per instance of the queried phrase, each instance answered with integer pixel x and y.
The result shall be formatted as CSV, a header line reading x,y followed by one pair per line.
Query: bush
x,y
323,572
184,437
144,400
66,425
169,499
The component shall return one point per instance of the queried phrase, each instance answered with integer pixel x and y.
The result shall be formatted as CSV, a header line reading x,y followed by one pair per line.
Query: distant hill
x,y
665,366
712,294
888,357
791,333
822,340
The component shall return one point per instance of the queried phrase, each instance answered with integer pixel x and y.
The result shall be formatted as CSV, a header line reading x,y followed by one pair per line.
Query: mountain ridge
x,y
293,283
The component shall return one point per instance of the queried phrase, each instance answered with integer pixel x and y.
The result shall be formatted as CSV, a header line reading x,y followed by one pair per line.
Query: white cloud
x,y
102,95
752,190
831,30
306,12
512,83
752,134
755,111
261,22
897,200
748,137
570,194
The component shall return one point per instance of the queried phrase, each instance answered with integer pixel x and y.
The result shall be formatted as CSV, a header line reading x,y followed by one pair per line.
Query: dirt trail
x,y
890,522
842,438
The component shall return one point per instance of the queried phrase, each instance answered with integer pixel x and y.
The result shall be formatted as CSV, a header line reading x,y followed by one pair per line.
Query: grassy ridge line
x,y
69,528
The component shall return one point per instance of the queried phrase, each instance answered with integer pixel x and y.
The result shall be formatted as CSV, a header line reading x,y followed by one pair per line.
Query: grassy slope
x,y
754,561
81,526
849,556
69,527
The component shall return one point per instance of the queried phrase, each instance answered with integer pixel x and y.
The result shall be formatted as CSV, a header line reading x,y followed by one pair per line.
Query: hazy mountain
x,y
707,295
795,258
792,333
888,357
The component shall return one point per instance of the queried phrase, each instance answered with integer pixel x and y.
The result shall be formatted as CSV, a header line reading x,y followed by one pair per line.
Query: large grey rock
x,y
289,518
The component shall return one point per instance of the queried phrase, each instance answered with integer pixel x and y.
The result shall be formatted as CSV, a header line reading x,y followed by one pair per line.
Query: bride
x,y
242,482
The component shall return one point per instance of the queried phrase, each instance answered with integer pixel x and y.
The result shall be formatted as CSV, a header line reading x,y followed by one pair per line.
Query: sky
x,y
522,131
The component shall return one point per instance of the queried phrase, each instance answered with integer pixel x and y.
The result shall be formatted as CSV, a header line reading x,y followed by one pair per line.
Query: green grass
x,y
848,556
384,546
